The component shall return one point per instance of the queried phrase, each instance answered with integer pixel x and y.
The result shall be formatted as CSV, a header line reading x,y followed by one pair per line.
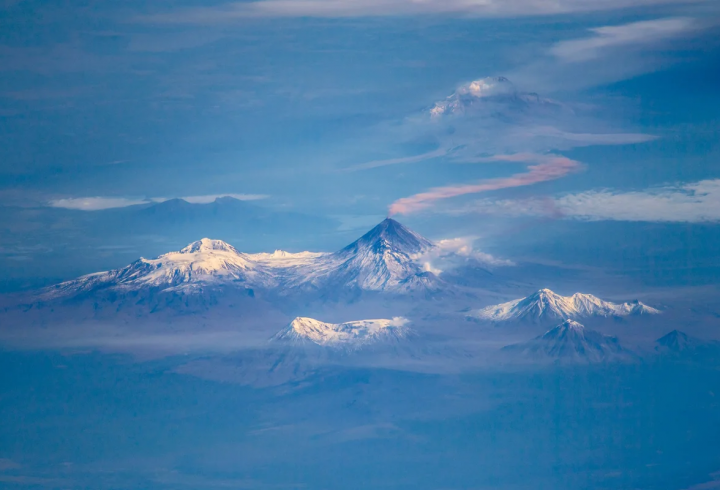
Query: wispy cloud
x,y
95,203
396,161
211,197
98,203
621,36
545,167
697,202
617,52
8,464
233,11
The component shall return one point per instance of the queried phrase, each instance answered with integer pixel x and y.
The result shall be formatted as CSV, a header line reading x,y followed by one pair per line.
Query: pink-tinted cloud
x,y
544,168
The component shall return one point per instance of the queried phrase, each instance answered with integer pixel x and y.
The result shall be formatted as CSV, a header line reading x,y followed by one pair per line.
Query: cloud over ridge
x,y
98,203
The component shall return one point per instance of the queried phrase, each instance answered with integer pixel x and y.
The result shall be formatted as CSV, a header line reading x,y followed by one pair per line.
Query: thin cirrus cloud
x,y
696,202
99,203
544,168
233,11
611,53
621,36
397,161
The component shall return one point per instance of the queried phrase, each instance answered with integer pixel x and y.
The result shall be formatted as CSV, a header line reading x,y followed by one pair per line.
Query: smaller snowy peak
x,y
569,330
348,335
570,325
545,304
571,342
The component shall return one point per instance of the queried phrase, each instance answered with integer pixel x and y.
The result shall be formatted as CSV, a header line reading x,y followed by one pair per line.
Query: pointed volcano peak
x,y
571,324
567,329
208,245
571,342
392,235
674,335
677,341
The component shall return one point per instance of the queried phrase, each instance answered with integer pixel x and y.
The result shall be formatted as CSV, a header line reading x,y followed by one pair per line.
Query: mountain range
x,y
382,260
383,274
546,305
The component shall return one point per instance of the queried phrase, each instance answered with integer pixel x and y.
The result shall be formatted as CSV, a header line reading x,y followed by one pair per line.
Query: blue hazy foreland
x,y
360,244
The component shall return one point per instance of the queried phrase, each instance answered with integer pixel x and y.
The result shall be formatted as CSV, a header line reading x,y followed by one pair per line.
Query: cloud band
x,y
545,168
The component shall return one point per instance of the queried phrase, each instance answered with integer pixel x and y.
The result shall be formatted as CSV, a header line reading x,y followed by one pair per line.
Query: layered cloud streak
x,y
544,168
233,11
697,202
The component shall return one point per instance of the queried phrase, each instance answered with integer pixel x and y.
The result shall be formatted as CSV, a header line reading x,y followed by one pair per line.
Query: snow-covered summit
x,y
571,342
350,335
545,304
208,245
203,262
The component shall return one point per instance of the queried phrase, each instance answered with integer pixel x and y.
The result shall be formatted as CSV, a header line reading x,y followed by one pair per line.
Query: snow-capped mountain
x,y
384,259
546,305
349,335
571,342
202,263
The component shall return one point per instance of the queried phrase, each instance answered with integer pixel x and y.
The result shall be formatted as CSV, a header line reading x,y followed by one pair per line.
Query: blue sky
x,y
361,108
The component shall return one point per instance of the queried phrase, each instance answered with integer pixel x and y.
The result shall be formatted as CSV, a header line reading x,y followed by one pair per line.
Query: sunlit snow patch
x,y
352,334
